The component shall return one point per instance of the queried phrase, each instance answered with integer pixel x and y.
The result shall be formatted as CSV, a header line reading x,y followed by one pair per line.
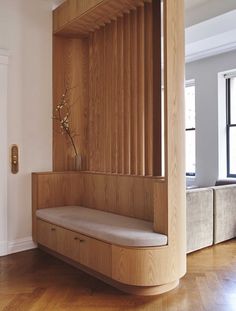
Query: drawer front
x,y
47,234
89,252
95,255
68,244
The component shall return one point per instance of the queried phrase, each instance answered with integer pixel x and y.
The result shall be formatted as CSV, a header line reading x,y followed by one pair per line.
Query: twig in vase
x,y
63,112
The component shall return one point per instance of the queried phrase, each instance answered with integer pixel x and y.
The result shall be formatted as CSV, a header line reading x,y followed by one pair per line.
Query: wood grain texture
x,y
175,142
124,195
130,289
95,255
141,92
34,280
70,71
79,17
47,234
148,90
157,95
124,126
75,246
68,243
160,208
127,95
141,267
34,186
137,123
115,92
120,96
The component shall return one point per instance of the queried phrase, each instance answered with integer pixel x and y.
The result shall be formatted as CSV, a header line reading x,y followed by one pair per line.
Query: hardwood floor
x,y
33,281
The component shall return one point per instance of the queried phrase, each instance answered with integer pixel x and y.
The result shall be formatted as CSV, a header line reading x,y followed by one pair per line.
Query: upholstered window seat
x,y
111,228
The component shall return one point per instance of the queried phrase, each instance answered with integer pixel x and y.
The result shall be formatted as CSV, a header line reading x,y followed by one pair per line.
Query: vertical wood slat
x,y
125,105
127,95
141,93
91,103
113,103
148,90
157,109
108,119
120,94
100,106
133,79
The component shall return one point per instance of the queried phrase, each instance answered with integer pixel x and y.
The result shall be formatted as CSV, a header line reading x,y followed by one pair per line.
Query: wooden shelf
x,y
79,17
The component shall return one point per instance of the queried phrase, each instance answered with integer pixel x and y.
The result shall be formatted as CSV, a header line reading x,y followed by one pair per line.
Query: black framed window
x,y
231,126
190,128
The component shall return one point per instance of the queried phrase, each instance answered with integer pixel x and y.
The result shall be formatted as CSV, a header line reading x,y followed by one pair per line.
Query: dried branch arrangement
x,y
62,115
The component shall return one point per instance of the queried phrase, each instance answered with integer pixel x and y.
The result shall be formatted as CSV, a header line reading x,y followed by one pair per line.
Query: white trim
x,y
230,74
3,154
4,59
3,248
21,245
194,53
190,82
222,157
211,37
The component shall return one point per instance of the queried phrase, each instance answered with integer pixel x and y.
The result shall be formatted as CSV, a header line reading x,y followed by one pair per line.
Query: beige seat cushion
x,y
105,226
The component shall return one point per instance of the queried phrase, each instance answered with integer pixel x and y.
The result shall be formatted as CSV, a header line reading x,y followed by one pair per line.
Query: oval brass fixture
x,y
14,159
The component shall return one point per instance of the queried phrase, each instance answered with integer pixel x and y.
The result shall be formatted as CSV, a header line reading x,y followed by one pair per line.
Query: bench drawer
x,y
95,254
87,251
68,243
47,234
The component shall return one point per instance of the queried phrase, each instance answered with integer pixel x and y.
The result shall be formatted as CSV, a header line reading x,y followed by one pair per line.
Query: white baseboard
x,y
21,245
3,248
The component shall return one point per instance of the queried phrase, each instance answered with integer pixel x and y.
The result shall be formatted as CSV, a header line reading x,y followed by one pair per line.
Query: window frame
x,y
189,84
229,125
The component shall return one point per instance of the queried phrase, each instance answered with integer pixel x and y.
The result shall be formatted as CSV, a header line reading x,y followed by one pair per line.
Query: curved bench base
x,y
130,289
145,290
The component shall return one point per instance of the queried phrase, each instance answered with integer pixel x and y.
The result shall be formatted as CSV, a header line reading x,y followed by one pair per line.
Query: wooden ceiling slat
x,y
98,15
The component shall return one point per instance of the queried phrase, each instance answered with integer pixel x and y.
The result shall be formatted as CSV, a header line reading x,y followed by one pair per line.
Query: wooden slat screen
x,y
114,77
124,120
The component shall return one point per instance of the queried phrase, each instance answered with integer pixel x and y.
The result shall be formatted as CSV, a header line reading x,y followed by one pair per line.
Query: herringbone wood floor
x,y
33,281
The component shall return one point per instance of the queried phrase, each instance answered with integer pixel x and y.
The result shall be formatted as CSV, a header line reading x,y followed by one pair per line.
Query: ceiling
x,y
190,4
56,3
196,10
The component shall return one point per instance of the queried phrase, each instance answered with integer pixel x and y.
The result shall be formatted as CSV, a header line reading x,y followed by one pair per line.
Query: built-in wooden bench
x,y
107,224
94,238
107,68
107,227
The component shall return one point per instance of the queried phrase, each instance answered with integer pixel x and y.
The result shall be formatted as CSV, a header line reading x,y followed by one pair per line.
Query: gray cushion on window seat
x,y
112,228
199,218
224,213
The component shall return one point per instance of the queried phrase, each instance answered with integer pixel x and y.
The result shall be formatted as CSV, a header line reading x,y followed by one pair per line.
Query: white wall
x,y
3,153
25,31
205,72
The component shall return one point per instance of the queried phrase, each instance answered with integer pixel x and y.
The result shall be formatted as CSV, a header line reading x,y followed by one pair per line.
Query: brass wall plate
x,y
14,159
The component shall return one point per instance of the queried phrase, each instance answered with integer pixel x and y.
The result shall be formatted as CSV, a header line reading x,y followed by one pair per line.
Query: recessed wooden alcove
x,y
116,93
108,54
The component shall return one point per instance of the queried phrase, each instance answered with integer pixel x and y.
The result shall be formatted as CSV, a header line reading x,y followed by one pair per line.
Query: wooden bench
x,y
108,55
113,235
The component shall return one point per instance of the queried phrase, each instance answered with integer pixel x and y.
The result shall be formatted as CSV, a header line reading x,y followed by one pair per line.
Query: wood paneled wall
x,y
125,195
117,106
70,70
